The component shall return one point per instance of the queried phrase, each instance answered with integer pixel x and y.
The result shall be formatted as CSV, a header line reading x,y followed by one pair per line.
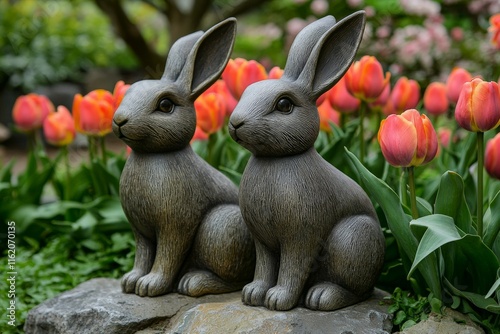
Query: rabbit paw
x,y
129,280
280,298
153,284
199,283
328,297
254,293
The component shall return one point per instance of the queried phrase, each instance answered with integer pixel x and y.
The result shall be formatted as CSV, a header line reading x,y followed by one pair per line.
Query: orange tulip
x,y
435,99
365,79
118,93
220,88
275,73
327,115
408,139
93,113
341,99
59,127
456,79
494,29
210,112
405,94
381,101
30,111
241,73
492,157
199,134
478,107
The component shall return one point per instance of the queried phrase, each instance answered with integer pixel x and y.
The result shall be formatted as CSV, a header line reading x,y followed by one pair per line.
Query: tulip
x,y
456,79
405,94
340,98
408,139
444,137
229,102
327,115
241,73
478,107
365,79
199,134
435,99
379,104
494,29
118,93
492,157
59,127
93,113
275,73
30,111
210,112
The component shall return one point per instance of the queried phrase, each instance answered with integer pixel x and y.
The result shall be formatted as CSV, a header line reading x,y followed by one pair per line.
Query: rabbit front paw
x,y
129,280
254,293
153,284
280,298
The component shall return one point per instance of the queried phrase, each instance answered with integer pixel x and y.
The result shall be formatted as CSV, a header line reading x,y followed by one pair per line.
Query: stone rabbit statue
x,y
318,239
185,217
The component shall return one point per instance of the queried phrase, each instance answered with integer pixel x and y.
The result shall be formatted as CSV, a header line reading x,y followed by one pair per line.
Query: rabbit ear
x,y
303,45
333,54
178,54
208,58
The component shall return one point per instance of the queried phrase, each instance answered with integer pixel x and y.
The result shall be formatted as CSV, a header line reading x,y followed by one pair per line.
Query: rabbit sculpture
x,y
189,232
318,239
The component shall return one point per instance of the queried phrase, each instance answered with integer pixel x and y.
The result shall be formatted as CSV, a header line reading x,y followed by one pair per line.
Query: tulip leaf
x,y
479,300
468,154
492,229
450,201
398,223
494,288
478,260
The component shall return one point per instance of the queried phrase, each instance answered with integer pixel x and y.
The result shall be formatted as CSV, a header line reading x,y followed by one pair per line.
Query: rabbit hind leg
x,y
223,254
354,255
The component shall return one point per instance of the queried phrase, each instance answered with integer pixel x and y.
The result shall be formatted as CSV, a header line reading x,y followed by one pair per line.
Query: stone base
x,y
99,306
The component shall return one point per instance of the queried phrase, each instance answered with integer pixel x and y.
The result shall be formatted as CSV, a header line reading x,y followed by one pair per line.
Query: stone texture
x,y
99,306
450,322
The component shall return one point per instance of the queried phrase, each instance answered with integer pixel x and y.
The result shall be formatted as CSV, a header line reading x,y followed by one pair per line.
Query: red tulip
x,y
492,157
341,99
408,139
210,112
327,115
456,79
381,101
478,107
275,73
93,113
435,99
59,127
199,134
30,111
118,93
365,79
240,73
405,94
494,29
220,88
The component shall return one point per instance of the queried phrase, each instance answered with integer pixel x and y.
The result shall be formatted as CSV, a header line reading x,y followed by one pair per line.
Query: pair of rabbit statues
x,y
306,233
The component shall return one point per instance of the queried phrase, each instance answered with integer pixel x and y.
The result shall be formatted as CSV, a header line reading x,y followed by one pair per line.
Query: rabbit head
x,y
279,117
158,115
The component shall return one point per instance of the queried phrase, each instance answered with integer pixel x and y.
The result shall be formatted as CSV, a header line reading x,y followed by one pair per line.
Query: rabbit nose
x,y
235,124
120,120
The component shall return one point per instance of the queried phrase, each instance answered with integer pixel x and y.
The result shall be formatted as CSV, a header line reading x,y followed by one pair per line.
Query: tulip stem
x,y
413,197
361,132
480,165
103,150
65,153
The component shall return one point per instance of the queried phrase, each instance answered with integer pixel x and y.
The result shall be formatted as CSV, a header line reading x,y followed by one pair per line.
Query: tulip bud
x,y
494,30
456,79
118,93
492,157
30,111
405,94
275,73
408,139
93,113
210,112
341,99
365,79
435,99
478,107
327,115
59,127
240,73
199,134
379,104
229,102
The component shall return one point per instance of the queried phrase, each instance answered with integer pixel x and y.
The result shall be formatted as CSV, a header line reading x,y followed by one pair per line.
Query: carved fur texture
x,y
189,232
318,239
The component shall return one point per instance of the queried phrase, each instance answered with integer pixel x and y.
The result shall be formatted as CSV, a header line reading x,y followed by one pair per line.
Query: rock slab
x,y
99,306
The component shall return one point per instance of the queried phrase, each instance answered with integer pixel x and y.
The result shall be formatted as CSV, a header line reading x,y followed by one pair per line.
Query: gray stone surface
x,y
99,306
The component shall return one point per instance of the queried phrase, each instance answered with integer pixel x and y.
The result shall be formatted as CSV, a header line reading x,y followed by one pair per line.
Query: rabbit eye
x,y
284,105
166,106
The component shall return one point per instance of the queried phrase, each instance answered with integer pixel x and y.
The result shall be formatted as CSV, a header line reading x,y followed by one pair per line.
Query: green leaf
x,y
398,223
480,301
494,288
450,201
493,228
